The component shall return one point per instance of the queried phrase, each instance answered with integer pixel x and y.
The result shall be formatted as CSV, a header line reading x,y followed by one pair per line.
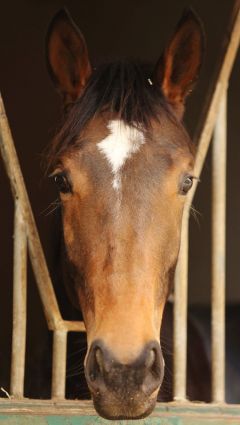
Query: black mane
x,y
120,87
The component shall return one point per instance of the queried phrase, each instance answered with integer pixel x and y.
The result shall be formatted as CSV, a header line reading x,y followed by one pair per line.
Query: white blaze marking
x,y
119,145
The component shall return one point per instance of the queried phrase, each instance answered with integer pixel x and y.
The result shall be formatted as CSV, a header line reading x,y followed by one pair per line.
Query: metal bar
x,y
72,326
59,364
12,166
180,316
38,261
202,139
219,159
204,133
19,304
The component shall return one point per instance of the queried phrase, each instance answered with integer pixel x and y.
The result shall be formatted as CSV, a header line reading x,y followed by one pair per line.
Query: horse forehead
x,y
108,144
118,146
121,143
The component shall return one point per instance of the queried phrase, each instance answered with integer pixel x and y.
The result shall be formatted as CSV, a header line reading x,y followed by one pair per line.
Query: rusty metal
x,y
19,304
219,163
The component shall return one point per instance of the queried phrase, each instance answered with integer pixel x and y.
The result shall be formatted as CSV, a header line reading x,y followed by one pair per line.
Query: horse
x,y
123,164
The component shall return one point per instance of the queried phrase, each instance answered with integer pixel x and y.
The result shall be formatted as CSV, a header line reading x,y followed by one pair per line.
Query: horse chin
x,y
109,407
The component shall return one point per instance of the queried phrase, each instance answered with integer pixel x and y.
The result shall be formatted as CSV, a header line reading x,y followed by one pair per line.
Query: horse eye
x,y
186,185
62,183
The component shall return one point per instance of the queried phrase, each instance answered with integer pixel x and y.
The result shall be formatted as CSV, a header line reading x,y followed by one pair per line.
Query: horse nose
x,y
105,373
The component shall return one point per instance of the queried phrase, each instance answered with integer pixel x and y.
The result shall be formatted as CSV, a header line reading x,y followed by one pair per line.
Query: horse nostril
x,y
96,364
157,366
92,376
154,369
150,359
99,360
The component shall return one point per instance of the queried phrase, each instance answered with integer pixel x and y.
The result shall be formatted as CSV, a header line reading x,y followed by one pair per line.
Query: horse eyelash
x,y
54,174
196,178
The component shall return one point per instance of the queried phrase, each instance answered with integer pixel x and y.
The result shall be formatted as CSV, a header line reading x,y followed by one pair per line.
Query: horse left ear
x,y
177,70
67,57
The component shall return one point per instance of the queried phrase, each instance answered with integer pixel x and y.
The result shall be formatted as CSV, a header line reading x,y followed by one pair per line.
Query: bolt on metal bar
x,y
19,304
219,162
202,140
59,364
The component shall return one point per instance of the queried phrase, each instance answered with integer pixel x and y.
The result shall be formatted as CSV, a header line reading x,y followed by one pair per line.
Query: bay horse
x,y
123,164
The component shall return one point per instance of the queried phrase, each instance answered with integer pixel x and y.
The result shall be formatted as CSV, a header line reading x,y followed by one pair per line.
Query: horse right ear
x,y
177,70
67,57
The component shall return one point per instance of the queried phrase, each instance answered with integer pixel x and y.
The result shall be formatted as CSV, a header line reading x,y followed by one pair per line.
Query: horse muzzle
x,y
124,391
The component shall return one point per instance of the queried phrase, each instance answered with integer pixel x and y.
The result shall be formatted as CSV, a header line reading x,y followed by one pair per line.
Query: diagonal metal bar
x,y
44,283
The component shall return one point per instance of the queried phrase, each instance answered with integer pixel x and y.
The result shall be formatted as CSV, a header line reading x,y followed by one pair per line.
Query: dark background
x,y
133,29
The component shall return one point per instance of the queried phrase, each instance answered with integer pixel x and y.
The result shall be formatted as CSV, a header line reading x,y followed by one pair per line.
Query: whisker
x,y
78,351
78,373
74,372
52,207
75,367
196,214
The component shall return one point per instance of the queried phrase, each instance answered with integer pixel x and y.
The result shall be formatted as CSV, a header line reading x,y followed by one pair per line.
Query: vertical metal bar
x,y
19,304
59,364
219,155
180,315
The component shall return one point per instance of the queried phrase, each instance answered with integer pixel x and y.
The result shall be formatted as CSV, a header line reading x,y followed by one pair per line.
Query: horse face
x,y
122,186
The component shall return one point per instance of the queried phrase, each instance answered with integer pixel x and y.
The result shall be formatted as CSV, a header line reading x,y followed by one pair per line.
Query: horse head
x,y
123,164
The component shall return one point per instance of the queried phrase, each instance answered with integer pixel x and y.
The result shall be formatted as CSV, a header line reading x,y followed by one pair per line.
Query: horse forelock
x,y
121,89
